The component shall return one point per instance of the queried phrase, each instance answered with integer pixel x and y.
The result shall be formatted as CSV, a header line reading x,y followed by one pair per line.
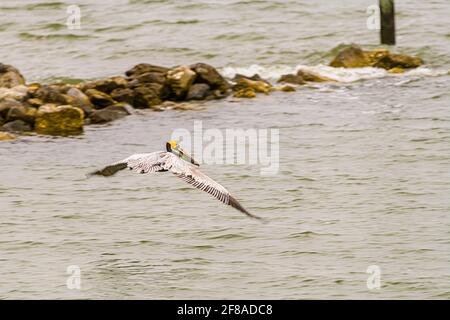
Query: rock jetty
x,y
64,109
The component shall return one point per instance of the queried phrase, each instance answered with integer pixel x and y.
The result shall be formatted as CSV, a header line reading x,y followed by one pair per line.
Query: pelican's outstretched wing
x,y
201,181
142,163
164,161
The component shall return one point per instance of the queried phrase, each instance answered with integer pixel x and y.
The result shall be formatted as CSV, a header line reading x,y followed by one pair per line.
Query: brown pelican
x,y
176,160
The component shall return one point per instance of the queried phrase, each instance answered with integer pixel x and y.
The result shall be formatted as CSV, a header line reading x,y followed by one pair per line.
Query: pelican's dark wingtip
x,y
109,170
89,175
235,204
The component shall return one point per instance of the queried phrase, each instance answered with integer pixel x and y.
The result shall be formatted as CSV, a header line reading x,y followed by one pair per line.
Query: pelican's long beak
x,y
186,157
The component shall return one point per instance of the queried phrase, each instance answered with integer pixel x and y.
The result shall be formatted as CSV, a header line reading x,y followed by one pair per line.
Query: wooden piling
x,y
387,22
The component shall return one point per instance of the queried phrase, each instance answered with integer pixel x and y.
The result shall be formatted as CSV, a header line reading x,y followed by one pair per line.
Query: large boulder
x,y
111,113
10,76
355,57
59,120
210,76
180,80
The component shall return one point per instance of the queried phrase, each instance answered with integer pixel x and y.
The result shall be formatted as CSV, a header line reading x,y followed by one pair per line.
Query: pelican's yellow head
x,y
172,144
174,147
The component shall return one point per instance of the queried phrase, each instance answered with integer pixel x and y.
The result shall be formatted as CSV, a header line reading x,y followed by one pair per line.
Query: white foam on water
x,y
274,72
345,75
427,72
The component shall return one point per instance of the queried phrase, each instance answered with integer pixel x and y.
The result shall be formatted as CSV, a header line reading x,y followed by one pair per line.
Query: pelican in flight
x,y
176,160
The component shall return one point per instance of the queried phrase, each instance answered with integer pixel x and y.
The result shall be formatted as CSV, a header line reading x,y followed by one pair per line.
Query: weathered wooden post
x,y
387,22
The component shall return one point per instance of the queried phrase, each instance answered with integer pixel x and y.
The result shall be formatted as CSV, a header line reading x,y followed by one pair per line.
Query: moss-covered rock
x,y
59,120
355,57
245,93
402,61
10,76
372,56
